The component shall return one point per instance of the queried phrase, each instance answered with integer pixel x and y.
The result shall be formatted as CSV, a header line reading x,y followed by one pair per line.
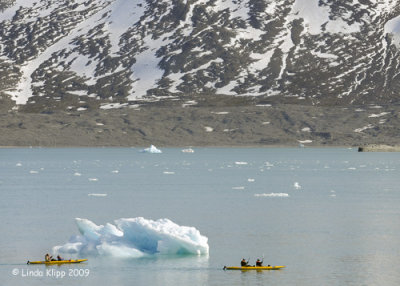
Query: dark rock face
x,y
66,55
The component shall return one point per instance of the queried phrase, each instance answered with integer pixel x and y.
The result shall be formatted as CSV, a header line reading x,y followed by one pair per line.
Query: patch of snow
x,y
220,113
392,27
113,105
304,141
359,130
314,16
123,15
378,115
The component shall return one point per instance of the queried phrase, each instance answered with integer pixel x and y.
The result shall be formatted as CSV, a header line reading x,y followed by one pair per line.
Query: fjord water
x,y
331,216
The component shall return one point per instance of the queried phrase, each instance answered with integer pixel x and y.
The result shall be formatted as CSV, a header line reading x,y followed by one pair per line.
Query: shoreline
x,y
184,147
249,126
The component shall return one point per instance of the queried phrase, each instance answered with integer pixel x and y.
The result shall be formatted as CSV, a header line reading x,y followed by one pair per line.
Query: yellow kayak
x,y
245,268
57,261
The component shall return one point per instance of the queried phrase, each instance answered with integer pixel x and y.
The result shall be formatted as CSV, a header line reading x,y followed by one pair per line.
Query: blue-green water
x,y
332,216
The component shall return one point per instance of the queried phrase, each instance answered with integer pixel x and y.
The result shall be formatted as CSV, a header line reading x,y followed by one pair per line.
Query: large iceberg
x,y
134,237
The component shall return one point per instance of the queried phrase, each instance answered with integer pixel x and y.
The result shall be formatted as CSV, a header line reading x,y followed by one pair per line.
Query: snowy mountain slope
x,y
77,54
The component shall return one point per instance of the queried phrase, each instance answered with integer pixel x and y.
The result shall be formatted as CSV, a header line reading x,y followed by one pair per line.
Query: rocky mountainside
x,y
199,72
86,54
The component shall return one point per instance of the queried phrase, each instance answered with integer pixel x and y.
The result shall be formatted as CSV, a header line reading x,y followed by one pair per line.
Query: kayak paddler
x,y
259,262
244,262
59,258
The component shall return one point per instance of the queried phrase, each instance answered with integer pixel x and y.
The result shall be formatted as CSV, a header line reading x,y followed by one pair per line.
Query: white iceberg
x,y
135,237
152,149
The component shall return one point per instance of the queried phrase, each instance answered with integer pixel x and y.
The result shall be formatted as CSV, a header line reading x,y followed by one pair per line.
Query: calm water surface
x,y
332,216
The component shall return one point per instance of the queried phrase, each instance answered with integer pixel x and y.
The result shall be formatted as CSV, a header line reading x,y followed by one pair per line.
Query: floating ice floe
x,y
93,179
169,173
152,149
273,195
268,164
115,171
97,195
33,172
18,165
297,186
238,188
77,174
251,180
134,237
241,163
188,150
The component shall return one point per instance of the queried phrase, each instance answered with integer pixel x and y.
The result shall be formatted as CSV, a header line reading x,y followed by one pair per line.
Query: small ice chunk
x,y
238,188
152,149
273,195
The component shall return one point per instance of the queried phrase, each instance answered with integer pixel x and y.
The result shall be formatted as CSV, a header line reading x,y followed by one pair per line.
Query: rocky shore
x,y
201,124
379,148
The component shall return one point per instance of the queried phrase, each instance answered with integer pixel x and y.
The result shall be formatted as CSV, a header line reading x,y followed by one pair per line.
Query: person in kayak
x,y
47,257
244,262
259,262
59,258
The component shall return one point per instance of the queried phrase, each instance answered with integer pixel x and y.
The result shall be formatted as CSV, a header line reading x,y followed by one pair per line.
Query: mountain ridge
x,y
199,72
81,54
